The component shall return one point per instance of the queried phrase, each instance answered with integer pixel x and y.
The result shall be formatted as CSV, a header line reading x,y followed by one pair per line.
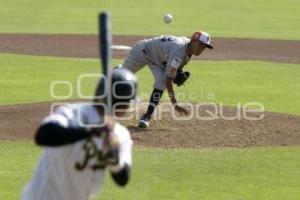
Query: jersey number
x,y
167,39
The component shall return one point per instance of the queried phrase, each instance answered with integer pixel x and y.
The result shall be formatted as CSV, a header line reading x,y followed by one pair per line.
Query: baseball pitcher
x,y
166,56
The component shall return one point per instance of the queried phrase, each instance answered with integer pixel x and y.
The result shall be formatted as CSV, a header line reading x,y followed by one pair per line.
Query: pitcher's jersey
x,y
168,51
74,171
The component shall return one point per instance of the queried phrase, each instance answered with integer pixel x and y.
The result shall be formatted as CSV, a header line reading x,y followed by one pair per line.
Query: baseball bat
x,y
105,40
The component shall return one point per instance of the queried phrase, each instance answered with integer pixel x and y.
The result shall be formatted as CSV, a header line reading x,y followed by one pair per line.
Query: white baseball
x,y
168,18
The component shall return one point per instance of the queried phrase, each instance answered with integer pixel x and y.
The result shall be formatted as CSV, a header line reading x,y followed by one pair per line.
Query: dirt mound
x,y
86,46
19,122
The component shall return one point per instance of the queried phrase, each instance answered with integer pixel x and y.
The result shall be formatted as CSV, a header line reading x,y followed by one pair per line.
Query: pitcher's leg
x,y
136,58
159,86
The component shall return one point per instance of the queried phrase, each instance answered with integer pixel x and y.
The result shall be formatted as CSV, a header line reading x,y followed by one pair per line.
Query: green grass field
x,y
231,18
215,174
28,78
229,174
266,173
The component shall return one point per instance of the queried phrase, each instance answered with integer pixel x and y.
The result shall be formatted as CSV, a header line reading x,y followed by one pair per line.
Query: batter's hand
x,y
182,110
111,148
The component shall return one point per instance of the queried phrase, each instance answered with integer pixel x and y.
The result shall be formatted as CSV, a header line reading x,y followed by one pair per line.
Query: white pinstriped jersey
x,y
62,173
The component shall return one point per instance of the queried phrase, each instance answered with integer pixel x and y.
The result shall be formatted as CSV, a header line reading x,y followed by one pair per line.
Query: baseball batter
x,y
78,150
166,56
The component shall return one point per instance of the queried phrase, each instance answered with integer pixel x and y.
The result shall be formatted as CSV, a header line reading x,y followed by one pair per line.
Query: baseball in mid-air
x,y
168,18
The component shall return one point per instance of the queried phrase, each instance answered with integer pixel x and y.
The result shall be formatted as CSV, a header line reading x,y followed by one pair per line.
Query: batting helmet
x,y
123,86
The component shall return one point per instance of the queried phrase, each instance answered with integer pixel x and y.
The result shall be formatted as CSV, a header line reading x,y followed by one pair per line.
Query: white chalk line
x,y
120,47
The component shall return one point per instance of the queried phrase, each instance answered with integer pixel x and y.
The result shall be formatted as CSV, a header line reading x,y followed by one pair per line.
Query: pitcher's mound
x,y
19,122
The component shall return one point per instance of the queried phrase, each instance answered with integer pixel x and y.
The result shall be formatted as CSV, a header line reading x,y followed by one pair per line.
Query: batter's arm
x,y
121,177
53,134
120,171
55,129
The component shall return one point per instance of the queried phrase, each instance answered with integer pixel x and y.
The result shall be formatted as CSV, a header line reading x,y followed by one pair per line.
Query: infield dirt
x,y
86,46
19,122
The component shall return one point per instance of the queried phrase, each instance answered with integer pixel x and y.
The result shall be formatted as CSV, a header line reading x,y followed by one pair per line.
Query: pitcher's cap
x,y
203,38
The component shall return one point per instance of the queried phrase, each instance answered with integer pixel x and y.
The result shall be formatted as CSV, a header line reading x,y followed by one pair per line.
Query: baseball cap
x,y
203,38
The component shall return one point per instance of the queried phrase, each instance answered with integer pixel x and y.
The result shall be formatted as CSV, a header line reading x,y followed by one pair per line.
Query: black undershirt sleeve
x,y
122,177
53,134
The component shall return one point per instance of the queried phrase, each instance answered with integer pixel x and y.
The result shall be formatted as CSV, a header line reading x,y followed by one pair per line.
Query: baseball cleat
x,y
144,122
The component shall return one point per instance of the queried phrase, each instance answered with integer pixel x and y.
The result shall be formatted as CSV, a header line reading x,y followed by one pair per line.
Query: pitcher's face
x,y
198,48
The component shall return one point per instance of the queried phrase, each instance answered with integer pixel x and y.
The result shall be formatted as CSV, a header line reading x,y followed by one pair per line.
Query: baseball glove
x,y
181,77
